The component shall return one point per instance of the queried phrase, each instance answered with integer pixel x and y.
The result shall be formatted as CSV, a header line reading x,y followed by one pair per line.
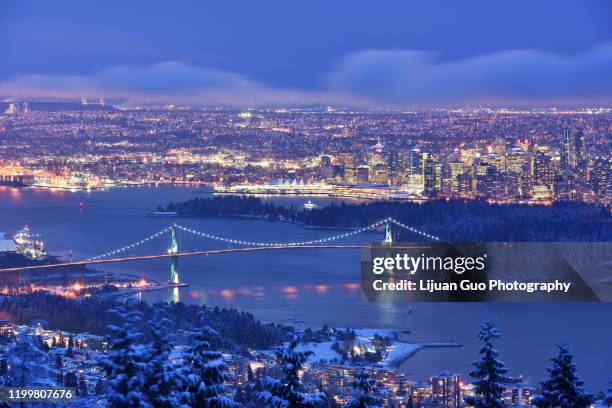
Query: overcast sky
x,y
413,54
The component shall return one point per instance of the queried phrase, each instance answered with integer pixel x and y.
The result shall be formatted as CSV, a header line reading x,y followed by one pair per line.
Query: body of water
x,y
319,286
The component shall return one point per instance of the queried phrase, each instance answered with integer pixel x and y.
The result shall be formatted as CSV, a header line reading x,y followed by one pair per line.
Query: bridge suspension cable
x,y
130,246
280,244
416,231
373,226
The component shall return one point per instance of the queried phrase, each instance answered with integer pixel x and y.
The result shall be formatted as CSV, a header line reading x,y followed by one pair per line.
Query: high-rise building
x,y
578,159
338,172
397,163
572,149
488,181
362,175
456,169
326,167
415,184
446,390
543,171
500,151
379,174
566,144
600,176
515,160
465,186
414,165
432,175
348,160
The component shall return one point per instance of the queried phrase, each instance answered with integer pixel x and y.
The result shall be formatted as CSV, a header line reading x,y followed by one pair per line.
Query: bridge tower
x,y
388,234
174,277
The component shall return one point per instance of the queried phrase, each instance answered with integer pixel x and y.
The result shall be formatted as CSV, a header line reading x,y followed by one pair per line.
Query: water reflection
x,y
289,292
174,295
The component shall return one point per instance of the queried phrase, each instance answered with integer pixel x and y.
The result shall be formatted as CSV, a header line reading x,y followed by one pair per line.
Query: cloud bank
x,y
369,78
398,77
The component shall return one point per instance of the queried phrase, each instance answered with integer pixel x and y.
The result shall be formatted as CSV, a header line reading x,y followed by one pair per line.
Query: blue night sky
x,y
373,54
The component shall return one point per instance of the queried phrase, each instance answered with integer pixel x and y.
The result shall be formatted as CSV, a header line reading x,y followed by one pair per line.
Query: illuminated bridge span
x,y
247,246
387,222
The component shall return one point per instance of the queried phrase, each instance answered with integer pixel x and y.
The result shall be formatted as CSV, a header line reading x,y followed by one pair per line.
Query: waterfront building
x,y
415,184
326,167
379,174
446,389
362,175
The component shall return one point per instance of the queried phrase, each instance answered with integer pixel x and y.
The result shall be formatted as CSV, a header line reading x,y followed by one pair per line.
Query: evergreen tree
x,y
287,392
206,374
70,379
240,396
162,380
489,373
58,361
29,366
70,347
563,389
82,387
100,387
608,397
364,387
124,364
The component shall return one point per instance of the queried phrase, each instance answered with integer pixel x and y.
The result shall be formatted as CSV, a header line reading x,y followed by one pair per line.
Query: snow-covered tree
x,y
162,380
70,379
29,365
82,387
100,387
206,374
3,366
125,364
490,371
288,392
364,386
608,397
563,389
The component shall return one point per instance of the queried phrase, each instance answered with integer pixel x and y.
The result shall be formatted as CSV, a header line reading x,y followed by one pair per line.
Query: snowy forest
x,y
237,330
148,362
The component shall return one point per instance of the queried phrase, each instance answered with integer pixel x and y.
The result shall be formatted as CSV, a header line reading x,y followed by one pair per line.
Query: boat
x,y
310,205
29,244
16,180
162,214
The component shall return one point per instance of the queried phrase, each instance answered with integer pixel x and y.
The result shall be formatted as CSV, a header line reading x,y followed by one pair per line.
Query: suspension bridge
x,y
391,235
